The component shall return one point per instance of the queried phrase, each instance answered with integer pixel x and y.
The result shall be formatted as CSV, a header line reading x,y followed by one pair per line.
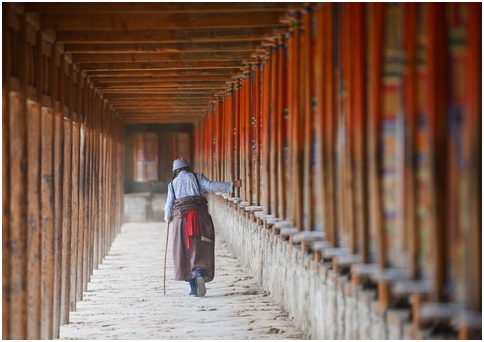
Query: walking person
x,y
193,231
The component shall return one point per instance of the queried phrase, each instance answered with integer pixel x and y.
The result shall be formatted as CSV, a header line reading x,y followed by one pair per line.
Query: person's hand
x,y
238,183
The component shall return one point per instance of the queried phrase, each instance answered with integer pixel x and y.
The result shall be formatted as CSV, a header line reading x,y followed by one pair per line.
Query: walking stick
x,y
166,252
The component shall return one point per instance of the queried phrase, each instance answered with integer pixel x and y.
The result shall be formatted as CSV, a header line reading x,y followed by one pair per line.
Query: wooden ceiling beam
x,y
158,107
150,7
162,85
159,111
154,80
160,65
168,91
161,73
160,57
146,96
150,35
73,21
166,116
138,121
159,99
118,48
161,104
171,92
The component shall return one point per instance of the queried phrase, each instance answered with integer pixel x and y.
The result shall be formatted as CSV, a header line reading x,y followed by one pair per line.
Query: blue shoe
x,y
193,288
200,283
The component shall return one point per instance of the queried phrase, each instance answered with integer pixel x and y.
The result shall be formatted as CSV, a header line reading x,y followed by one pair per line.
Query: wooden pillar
x,y
58,177
18,153
34,223
358,100
18,215
473,151
318,65
273,122
230,135
47,217
329,123
265,136
7,53
349,59
219,115
67,215
241,135
74,227
293,43
81,218
306,74
58,168
236,115
248,137
296,112
281,134
437,104
375,22
257,130
410,167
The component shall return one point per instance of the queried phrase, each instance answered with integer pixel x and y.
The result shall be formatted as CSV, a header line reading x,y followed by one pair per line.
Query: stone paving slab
x,y
125,300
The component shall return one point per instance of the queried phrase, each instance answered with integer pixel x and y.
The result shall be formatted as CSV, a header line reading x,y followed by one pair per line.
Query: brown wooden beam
x,y
140,101
161,73
161,65
153,57
164,7
144,102
173,47
167,105
162,85
168,90
164,35
173,112
180,115
169,110
116,21
154,80
157,104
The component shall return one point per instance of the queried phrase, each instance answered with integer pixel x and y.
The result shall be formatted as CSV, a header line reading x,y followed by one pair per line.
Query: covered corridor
x,y
355,128
125,299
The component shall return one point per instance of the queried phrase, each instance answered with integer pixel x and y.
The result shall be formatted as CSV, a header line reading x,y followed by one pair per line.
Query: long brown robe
x,y
201,255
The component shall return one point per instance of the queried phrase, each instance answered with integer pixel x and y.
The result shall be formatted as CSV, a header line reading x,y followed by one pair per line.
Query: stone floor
x,y
125,298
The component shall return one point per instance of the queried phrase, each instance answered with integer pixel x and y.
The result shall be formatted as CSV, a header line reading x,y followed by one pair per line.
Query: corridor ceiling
x,y
161,62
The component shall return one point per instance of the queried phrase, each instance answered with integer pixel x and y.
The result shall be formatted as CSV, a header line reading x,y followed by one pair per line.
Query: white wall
x,y
322,303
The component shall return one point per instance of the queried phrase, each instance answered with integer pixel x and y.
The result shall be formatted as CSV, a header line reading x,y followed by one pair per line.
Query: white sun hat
x,y
180,163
